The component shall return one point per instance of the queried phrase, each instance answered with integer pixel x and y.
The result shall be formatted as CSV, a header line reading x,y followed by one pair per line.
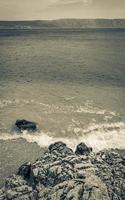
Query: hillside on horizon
x,y
64,23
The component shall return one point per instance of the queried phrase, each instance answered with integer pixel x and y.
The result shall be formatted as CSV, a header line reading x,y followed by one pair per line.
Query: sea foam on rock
x,y
62,174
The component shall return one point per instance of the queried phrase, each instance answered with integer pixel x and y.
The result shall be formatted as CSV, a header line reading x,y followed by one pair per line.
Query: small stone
x,y
35,172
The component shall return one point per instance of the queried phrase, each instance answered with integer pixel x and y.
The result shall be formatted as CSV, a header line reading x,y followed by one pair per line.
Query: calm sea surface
x,y
72,83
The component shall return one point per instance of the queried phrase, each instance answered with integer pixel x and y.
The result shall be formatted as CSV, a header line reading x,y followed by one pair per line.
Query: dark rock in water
x,y
82,149
26,125
60,174
25,170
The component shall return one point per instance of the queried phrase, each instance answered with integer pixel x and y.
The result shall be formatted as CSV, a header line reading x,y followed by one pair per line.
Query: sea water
x,y
72,83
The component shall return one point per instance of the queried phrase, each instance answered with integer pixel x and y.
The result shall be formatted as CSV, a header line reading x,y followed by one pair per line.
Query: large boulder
x,y
22,124
60,174
82,149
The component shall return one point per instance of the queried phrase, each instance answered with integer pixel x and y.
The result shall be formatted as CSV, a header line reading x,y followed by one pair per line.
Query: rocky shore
x,y
62,174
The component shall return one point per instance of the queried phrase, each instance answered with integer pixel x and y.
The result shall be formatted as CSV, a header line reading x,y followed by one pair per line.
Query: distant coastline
x,y
65,24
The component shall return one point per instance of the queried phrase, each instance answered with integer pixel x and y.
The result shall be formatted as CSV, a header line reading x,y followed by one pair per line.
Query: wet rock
x,y
22,125
82,149
25,170
60,148
60,174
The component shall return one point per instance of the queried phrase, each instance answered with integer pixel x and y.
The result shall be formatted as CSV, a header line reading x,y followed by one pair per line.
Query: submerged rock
x,y
62,174
23,124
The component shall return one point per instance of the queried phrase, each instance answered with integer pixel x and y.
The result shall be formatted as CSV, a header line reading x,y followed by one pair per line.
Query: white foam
x,y
87,107
97,136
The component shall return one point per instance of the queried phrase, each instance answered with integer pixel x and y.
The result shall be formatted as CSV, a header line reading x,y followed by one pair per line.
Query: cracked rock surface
x,y
62,174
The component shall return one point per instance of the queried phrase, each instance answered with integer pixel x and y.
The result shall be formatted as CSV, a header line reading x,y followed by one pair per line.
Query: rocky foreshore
x,y
62,174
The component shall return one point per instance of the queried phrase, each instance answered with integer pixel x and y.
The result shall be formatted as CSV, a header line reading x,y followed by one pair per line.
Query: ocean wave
x,y
103,136
88,107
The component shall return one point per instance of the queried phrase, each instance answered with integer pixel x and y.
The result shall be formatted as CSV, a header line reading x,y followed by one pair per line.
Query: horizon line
x,y
19,20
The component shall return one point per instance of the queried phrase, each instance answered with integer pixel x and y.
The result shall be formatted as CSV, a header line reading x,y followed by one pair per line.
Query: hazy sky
x,y
52,9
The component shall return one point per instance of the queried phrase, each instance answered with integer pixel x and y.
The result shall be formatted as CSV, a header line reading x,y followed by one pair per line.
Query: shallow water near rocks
x,y
71,83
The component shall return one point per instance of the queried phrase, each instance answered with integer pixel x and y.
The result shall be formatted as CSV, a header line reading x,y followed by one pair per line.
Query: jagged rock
x,y
14,181
60,148
82,149
25,125
11,194
63,175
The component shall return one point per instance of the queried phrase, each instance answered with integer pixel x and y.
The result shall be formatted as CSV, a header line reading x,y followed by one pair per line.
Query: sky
x,y
54,9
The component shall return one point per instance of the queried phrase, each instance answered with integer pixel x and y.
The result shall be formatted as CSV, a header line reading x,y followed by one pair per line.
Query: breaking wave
x,y
98,136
